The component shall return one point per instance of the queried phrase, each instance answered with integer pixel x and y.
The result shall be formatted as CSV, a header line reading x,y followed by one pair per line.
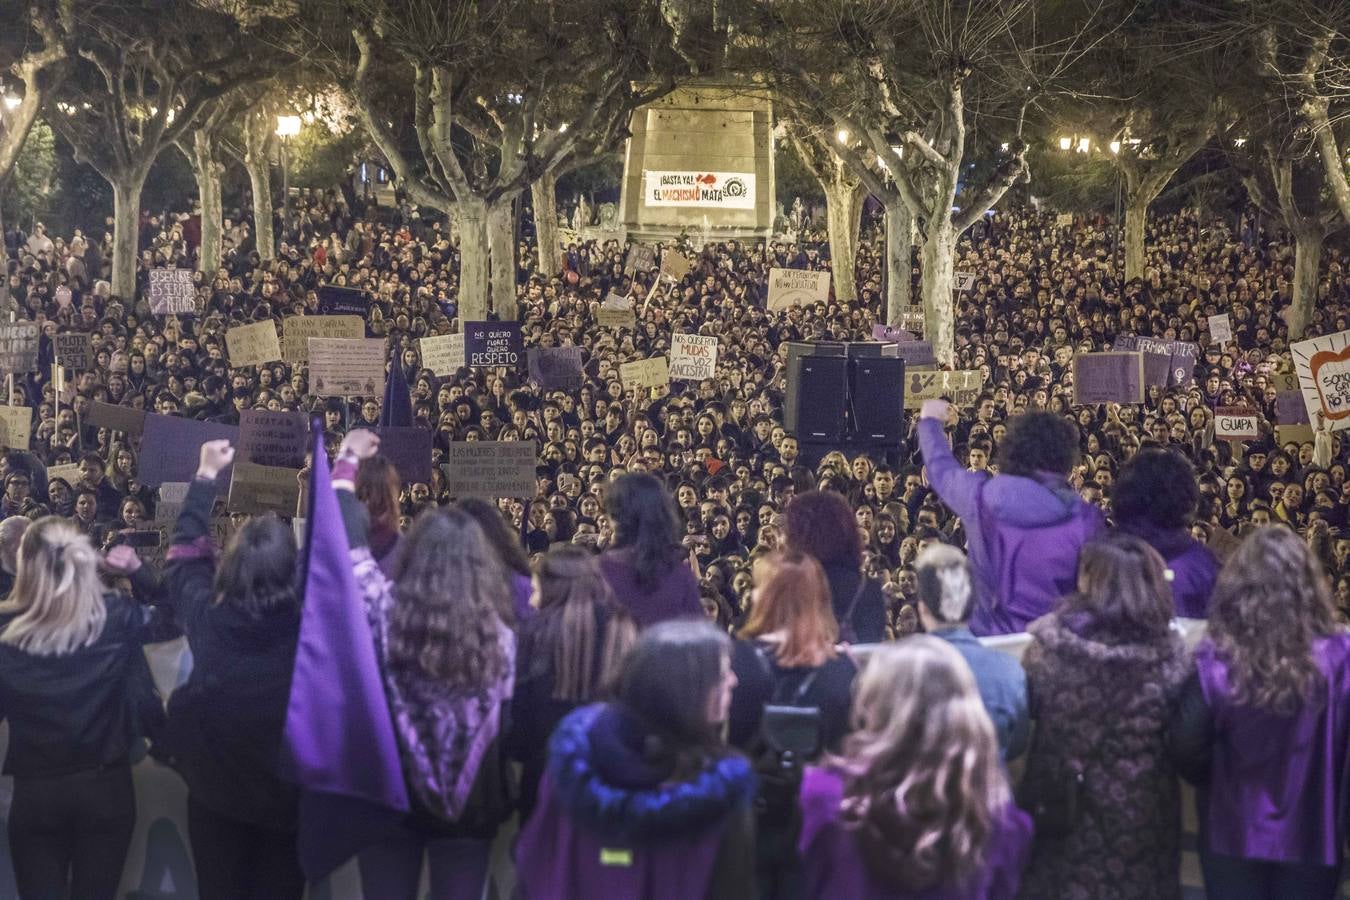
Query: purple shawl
x,y
1279,785
832,865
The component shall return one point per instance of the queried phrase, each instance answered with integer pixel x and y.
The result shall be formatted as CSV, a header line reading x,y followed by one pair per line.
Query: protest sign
x,y
675,265
253,345
171,446
963,281
19,347
1064,220
442,354
490,469
1236,422
797,287
1112,377
68,472
334,300
650,373
720,190
1295,434
1220,329
1166,363
409,449
277,439
63,296
16,427
640,258
116,418
170,501
615,312
556,368
961,387
911,318
917,355
1289,406
256,489
346,367
75,350
891,334
693,357
172,292
1323,367
297,330
493,344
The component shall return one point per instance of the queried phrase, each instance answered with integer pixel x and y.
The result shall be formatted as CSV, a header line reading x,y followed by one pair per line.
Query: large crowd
x,y
544,655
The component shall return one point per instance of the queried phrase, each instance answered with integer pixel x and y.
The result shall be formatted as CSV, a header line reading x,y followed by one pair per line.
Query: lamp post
x,y
287,128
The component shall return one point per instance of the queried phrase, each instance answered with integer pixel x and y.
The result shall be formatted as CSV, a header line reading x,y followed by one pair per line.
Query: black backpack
x,y
789,739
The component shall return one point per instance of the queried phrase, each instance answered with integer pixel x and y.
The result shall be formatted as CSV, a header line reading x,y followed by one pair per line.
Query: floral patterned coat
x,y
1102,709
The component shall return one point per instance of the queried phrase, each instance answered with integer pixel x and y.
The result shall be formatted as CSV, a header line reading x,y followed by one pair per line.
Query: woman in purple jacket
x,y
647,567
919,804
1264,726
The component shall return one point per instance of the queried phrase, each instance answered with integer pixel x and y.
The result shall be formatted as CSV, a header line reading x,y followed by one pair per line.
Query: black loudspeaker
x,y
877,391
817,397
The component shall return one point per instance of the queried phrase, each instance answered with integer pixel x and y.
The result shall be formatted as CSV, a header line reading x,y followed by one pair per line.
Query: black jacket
x,y
869,614
226,723
831,690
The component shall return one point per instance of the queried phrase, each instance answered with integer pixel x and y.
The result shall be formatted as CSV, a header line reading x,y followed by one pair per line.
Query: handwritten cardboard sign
x,y
171,447
645,373
640,258
1111,377
1220,328
963,281
493,344
258,490
254,344
69,473
615,318
1323,367
16,427
117,418
797,287
172,292
556,368
442,354
409,449
74,349
297,330
917,355
19,347
961,387
491,469
675,265
346,367
277,439
693,357
1236,422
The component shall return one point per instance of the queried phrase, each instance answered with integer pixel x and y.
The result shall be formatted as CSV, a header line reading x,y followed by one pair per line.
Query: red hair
x,y
792,597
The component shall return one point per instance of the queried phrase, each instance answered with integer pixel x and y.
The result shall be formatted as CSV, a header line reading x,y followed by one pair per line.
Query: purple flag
x,y
397,407
340,746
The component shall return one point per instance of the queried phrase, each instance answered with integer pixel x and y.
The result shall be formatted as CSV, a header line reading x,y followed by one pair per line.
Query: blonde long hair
x,y
57,595
923,782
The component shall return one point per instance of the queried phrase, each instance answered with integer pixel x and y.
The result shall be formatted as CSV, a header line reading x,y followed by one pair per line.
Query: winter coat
x,y
1102,709
673,596
1194,566
1023,535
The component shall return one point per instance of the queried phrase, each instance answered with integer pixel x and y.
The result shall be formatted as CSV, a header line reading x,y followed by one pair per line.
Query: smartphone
x,y
141,539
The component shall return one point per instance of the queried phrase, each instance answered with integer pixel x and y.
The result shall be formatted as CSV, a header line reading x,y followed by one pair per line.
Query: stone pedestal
x,y
700,161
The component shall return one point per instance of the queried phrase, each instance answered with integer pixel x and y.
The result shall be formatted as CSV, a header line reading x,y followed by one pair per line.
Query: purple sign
x,y
556,368
171,446
916,353
891,334
1290,408
1108,378
493,344
409,449
1166,363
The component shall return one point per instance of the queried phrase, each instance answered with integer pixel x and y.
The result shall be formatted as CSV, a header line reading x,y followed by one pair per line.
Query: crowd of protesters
x,y
559,636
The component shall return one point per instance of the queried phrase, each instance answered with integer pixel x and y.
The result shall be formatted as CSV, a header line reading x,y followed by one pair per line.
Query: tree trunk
x,y
126,234
473,261
208,171
939,311
1307,257
899,260
257,141
544,199
843,209
502,249
1140,192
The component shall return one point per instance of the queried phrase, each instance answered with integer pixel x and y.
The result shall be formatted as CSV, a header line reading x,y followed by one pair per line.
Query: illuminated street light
x,y
1065,143
12,101
1115,147
1084,145
842,136
288,126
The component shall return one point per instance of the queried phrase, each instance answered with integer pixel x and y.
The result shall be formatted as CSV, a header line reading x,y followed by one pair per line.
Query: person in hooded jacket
x,y
1154,498
1025,526
641,797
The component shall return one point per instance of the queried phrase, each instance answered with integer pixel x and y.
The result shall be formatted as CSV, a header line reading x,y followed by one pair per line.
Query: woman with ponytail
x,y
70,666
918,804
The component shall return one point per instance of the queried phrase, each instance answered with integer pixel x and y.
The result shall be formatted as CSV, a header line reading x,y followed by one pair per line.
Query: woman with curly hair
x,y
1264,724
918,804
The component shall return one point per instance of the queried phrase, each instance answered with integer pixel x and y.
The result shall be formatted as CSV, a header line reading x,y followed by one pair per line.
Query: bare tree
x,y
844,195
40,66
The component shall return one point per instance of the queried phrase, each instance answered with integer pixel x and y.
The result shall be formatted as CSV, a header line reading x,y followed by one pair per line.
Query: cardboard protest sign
x,y
675,265
19,347
556,368
615,312
1064,220
74,349
334,300
1323,367
491,469
442,354
1236,422
493,344
891,334
917,355
171,445
170,501
911,318
409,449
253,345
1220,329
277,439
1296,434
346,367
258,490
1112,377
172,292
963,281
297,330
69,473
640,258
645,373
117,418
63,296
16,427
693,357
961,387
797,287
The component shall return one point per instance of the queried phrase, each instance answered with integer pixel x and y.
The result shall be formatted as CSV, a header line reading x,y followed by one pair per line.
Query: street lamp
x,y
842,136
12,101
1065,143
1115,147
1084,145
287,128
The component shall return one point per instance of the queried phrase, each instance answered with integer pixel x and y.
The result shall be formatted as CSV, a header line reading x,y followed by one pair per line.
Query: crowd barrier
x,y
159,863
